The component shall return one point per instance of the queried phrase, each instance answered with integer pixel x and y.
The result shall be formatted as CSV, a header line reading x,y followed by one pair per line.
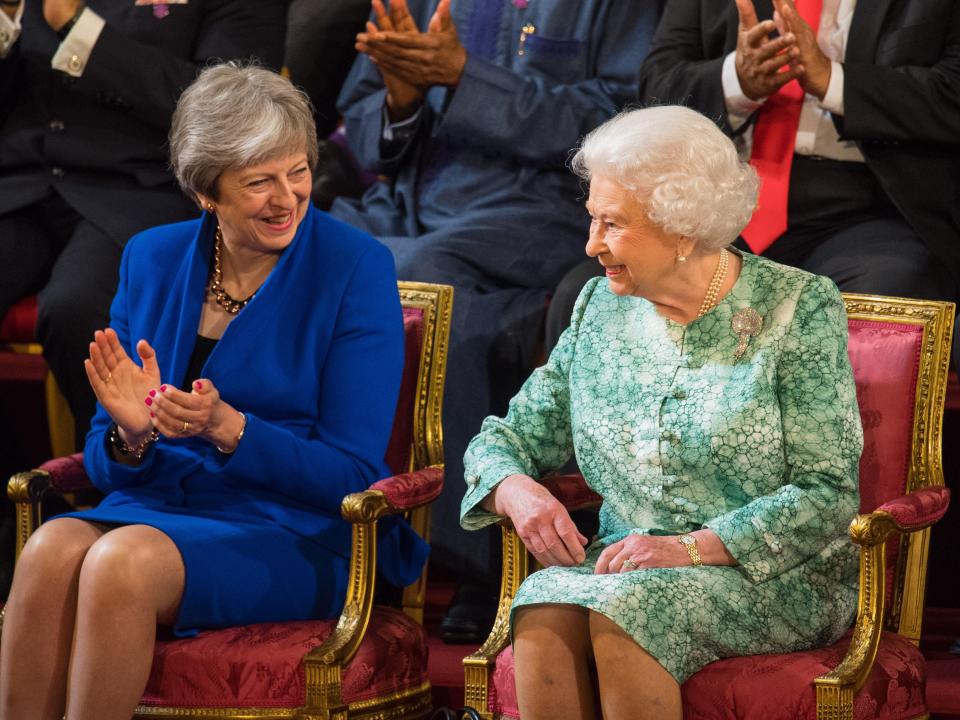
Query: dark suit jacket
x,y
100,140
901,95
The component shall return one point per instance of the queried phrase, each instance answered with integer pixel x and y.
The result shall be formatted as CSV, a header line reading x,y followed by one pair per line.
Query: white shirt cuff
x,y
398,130
833,98
74,52
739,106
9,30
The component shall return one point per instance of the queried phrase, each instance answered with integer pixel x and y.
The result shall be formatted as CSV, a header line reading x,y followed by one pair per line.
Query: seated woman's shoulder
x,y
163,241
789,281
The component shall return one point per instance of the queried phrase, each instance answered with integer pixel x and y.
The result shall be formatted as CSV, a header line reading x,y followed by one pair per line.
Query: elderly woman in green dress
x,y
708,398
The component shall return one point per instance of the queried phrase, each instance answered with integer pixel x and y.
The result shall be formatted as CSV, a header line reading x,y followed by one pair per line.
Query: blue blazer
x,y
314,361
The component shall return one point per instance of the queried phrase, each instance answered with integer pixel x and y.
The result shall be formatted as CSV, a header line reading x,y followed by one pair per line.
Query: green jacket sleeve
x,y
535,436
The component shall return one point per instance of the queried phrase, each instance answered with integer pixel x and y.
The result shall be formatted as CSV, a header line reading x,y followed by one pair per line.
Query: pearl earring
x,y
681,258
210,208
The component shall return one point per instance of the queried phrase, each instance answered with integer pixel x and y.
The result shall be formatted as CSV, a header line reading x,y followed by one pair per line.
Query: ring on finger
x,y
186,426
628,565
109,377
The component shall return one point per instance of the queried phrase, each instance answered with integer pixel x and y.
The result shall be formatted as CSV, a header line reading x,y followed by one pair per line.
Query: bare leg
x,y
633,685
551,646
39,622
132,578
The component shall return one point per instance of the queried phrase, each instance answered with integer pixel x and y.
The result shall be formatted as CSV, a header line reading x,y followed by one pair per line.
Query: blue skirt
x,y
239,570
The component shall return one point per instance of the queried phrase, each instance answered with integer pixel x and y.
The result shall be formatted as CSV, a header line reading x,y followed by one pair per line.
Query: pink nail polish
x,y
163,388
153,393
198,385
148,401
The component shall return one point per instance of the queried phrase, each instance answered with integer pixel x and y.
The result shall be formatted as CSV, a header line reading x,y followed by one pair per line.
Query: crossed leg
x,y
81,622
554,647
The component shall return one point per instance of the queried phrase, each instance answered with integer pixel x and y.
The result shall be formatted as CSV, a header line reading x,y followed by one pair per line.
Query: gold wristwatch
x,y
689,542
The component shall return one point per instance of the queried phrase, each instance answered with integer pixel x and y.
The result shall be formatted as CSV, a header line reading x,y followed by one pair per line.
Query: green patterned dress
x,y
676,435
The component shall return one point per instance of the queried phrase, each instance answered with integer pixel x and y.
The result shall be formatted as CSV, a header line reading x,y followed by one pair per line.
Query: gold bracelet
x,y
138,450
243,429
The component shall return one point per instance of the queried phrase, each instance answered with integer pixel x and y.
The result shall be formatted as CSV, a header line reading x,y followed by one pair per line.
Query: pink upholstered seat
x,y
261,666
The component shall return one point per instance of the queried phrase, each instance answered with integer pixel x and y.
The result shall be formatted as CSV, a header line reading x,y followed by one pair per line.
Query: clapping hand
x,y
120,384
418,59
198,413
764,65
812,65
403,98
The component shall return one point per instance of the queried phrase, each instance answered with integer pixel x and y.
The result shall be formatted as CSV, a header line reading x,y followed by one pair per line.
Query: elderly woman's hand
x,y
540,520
198,413
120,384
660,551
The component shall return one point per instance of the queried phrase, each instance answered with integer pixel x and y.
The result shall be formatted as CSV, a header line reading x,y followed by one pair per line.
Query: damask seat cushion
x,y
780,687
774,687
260,666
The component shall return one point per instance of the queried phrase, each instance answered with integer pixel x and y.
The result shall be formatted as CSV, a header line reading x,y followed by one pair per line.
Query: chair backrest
x,y
899,350
417,438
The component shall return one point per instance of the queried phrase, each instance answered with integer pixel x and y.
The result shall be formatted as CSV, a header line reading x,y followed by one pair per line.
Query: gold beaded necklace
x,y
716,282
215,287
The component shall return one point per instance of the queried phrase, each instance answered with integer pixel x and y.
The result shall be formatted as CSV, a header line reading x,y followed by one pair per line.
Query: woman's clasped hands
x,y
638,552
139,403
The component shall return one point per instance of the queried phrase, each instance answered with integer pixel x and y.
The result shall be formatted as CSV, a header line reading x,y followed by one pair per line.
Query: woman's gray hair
x,y
234,116
681,167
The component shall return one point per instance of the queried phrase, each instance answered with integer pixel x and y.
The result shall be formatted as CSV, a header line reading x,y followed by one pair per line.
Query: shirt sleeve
x,y
74,52
823,439
535,437
9,30
833,98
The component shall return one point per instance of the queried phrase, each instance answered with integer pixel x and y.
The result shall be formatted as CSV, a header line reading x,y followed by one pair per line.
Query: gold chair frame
x,y
324,664
836,689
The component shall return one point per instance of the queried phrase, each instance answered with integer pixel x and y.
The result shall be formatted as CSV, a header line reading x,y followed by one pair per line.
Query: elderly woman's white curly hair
x,y
680,166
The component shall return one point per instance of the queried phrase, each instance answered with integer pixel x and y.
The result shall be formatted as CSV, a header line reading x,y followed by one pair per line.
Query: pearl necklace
x,y
215,287
716,282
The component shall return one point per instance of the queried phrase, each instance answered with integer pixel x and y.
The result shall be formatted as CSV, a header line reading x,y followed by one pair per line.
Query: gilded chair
x,y
899,350
371,662
23,361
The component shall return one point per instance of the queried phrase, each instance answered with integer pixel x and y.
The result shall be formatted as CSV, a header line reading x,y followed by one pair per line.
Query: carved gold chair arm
x,y
26,490
392,496
837,688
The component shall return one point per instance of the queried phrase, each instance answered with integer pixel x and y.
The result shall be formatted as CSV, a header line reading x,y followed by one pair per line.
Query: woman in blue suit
x,y
270,345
